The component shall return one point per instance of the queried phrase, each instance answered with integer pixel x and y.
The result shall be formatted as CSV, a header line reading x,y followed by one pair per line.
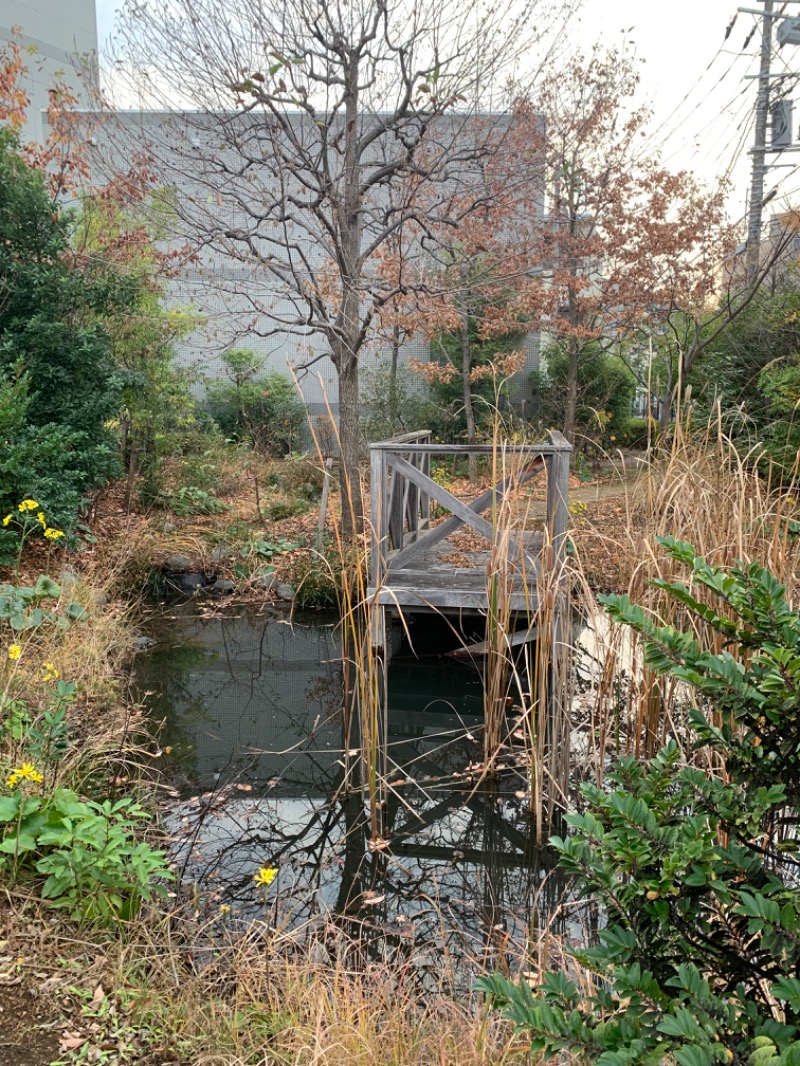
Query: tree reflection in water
x,y
252,711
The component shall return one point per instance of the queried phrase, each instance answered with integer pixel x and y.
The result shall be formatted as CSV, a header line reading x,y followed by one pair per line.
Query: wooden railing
x,y
402,490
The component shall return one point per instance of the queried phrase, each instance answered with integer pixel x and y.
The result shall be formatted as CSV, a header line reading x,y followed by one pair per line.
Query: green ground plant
x,y
189,500
694,867
26,607
78,853
82,855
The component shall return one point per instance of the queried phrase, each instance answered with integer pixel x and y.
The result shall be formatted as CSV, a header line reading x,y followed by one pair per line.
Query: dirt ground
x,y
26,1034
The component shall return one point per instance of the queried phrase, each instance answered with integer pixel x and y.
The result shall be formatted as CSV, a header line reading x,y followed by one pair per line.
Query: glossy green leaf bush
x,y
696,871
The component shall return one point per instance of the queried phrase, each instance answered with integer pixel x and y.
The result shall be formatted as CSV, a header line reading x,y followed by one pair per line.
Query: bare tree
x,y
306,132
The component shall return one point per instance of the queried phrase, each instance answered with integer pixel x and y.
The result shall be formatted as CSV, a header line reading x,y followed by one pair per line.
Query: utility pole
x,y
753,257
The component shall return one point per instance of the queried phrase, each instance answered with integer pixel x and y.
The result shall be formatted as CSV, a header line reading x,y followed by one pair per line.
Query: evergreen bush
x,y
696,871
263,408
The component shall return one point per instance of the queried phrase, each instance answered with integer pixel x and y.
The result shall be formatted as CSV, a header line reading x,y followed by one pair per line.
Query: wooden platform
x,y
433,581
412,556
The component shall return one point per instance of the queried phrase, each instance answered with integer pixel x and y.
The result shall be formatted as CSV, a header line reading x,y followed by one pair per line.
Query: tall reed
x,y
363,656
727,503
533,677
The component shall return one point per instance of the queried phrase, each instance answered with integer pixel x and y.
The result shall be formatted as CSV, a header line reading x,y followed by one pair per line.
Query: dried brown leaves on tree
x,y
628,241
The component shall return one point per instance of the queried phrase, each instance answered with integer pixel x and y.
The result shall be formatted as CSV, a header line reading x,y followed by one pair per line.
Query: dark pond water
x,y
251,705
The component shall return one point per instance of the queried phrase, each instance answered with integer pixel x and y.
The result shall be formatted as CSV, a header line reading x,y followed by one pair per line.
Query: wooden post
x,y
424,498
558,493
379,516
396,505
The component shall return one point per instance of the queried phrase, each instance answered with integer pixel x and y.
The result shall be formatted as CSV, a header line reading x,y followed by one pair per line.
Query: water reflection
x,y
252,713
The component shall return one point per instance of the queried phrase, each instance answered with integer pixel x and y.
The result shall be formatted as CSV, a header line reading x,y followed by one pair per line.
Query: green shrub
x,y
633,433
300,474
317,578
400,404
263,408
779,386
287,508
59,387
695,871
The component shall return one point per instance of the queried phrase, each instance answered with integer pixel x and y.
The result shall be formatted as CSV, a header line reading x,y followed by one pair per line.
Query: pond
x,y
251,704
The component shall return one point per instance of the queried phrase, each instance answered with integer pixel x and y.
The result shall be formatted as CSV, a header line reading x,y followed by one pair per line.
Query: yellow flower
x,y
7,519
14,652
26,772
266,875
28,505
50,672
224,909
42,519
53,534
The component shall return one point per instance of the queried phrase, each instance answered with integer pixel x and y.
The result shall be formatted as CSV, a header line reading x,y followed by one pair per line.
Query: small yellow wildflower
x,y
266,875
53,534
28,505
224,909
42,519
26,772
14,652
7,519
50,672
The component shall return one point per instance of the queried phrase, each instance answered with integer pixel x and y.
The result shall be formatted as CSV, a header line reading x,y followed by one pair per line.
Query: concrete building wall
x,y
55,31
239,303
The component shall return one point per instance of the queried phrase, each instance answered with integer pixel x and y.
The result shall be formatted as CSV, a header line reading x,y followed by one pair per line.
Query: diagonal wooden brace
x,y
444,529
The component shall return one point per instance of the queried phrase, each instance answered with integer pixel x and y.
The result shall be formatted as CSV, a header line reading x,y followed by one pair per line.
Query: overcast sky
x,y
691,75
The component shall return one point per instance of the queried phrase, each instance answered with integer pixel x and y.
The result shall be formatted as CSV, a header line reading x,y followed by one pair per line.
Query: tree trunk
x,y
394,414
130,480
571,405
469,413
665,409
350,450
346,345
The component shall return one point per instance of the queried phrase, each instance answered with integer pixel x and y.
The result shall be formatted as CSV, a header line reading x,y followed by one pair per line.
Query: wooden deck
x,y
417,564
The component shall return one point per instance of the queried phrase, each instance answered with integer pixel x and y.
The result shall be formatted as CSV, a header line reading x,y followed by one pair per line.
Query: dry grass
x,y
92,652
197,996
703,491
109,738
